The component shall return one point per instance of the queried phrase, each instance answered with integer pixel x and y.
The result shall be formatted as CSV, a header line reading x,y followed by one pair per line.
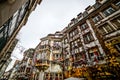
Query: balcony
x,y
40,65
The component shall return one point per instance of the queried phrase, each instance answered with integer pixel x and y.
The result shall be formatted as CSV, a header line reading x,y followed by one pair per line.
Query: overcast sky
x,y
50,16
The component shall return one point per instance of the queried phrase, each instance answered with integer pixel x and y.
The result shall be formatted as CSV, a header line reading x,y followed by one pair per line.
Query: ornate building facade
x,y
88,38
48,57
92,35
13,16
23,69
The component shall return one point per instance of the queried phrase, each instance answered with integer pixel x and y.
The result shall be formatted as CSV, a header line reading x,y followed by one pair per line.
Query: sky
x,y
50,16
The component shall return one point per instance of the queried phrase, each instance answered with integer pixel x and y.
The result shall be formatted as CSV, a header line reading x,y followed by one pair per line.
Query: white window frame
x,y
108,11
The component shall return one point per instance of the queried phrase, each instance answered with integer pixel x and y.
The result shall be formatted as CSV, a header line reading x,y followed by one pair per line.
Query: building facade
x,y
92,35
4,62
22,70
25,67
87,40
4,67
49,58
108,25
13,15
13,71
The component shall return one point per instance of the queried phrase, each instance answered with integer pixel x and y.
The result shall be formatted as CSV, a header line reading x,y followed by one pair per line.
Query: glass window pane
x,y
108,11
96,18
88,37
83,26
1,34
104,29
116,22
117,3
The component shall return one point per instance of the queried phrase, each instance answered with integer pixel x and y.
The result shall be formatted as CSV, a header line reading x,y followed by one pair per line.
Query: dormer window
x,y
89,9
80,16
101,1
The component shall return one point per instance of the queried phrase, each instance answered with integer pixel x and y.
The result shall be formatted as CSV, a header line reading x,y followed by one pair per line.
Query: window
x,y
76,31
71,34
60,76
88,37
108,11
91,54
1,34
56,74
4,33
1,31
84,26
106,29
117,46
72,45
76,50
22,12
46,74
102,30
13,24
66,40
116,22
76,44
96,18
117,3
56,55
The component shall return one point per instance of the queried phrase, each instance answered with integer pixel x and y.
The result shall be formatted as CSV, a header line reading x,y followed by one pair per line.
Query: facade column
x,y
114,6
109,23
102,14
99,37
39,77
97,43
83,44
